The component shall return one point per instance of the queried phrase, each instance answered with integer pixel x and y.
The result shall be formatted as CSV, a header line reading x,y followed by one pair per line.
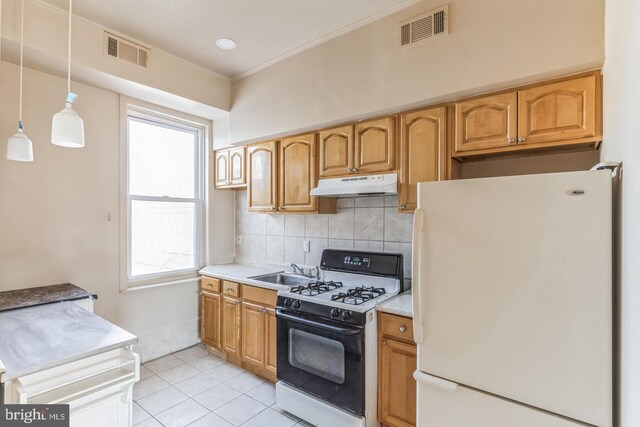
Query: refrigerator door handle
x,y
418,222
435,382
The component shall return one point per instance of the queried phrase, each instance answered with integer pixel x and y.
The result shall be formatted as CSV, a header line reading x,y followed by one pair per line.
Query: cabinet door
x,y
237,174
559,112
253,333
486,123
210,319
271,341
375,146
298,173
397,388
262,177
222,169
336,151
423,136
231,325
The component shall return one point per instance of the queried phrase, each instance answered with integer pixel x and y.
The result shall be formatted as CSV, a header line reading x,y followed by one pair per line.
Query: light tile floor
x,y
194,388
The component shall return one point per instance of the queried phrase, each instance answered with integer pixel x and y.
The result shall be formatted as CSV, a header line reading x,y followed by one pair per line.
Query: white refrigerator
x,y
512,301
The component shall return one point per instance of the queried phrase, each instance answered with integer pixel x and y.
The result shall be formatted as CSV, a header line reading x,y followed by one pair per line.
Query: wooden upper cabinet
x,y
237,174
298,173
336,151
210,305
253,333
231,325
262,177
230,168
222,169
566,110
487,122
375,145
423,142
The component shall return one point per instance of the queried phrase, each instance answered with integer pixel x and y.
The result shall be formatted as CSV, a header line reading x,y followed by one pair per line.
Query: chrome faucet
x,y
298,269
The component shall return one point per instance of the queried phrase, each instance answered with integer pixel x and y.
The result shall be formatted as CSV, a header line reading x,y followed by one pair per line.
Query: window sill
x,y
160,282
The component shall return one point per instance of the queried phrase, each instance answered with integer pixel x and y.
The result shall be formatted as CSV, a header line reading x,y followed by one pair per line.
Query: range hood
x,y
367,185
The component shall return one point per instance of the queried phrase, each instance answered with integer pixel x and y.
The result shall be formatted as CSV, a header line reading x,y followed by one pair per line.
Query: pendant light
x,y
67,128
19,146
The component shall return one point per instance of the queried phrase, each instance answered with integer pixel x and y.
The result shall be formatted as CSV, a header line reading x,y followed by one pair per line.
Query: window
x,y
164,190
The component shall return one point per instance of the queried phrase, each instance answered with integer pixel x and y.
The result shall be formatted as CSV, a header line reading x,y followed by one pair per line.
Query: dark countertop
x,y
29,297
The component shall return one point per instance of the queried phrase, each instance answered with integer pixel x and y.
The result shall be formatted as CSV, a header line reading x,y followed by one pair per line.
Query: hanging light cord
x,y
21,61
69,46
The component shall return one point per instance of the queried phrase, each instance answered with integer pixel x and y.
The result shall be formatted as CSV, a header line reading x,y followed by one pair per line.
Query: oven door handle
x,y
344,331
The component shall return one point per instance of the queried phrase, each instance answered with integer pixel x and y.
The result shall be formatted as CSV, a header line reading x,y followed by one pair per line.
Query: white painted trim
x,y
326,38
86,21
203,127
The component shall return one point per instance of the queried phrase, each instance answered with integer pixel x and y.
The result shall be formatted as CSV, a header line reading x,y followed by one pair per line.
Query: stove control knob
x,y
287,302
335,313
346,315
296,304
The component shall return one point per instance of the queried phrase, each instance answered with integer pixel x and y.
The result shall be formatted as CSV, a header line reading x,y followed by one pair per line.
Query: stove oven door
x,y
322,358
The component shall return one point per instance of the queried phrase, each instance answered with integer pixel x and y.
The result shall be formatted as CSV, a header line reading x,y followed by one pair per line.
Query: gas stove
x,y
327,334
353,283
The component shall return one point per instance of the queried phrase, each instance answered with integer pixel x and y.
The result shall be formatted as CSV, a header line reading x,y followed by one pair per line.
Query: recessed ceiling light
x,y
226,43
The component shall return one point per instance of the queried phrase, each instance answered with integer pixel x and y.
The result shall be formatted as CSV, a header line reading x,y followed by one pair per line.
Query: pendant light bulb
x,y
20,147
67,128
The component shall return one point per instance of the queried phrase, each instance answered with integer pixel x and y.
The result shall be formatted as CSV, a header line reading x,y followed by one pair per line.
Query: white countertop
x,y
241,273
400,305
37,338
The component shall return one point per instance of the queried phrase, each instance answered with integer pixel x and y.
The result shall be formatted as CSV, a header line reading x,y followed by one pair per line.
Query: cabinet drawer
x,y
210,284
230,288
259,295
396,327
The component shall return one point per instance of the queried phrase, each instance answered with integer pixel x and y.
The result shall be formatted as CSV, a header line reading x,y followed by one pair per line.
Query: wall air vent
x,y
125,50
427,26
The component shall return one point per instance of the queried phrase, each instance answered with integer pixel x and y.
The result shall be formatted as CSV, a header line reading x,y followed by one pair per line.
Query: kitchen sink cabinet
x,y
231,325
230,168
423,145
396,363
239,322
557,115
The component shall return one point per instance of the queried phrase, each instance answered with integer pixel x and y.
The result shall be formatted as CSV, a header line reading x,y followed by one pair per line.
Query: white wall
x,y
493,43
197,89
621,112
54,213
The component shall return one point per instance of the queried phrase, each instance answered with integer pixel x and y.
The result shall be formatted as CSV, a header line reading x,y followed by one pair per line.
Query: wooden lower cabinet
x,y
210,304
231,325
396,386
253,333
239,321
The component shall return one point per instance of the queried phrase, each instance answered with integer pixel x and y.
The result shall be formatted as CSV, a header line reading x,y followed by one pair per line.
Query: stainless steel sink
x,y
285,279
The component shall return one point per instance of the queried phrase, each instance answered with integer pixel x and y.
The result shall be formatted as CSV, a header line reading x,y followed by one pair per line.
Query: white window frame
x,y
156,115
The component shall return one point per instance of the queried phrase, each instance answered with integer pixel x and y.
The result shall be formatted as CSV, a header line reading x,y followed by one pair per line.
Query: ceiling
x,y
264,29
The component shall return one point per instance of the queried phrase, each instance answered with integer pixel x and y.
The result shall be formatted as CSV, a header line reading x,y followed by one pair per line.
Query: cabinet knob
x,y
402,206
281,208
522,139
384,343
403,328
511,140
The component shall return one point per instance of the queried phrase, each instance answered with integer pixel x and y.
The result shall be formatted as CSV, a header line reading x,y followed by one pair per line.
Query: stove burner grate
x,y
316,288
359,295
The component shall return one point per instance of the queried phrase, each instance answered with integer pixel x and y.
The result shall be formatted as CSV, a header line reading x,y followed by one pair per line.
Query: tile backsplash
x,y
361,223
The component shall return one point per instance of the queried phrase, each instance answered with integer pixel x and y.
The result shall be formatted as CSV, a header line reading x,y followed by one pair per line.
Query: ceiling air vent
x,y
427,26
125,50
